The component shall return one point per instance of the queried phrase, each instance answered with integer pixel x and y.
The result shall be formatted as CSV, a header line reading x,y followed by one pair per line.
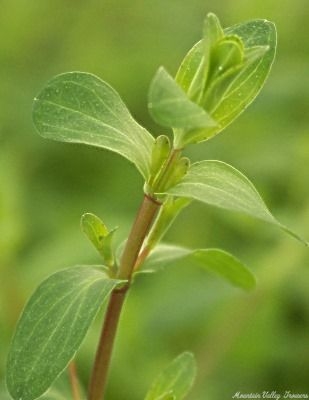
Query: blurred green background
x,y
243,342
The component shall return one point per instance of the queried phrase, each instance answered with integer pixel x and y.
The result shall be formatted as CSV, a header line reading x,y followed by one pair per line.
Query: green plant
x,y
217,80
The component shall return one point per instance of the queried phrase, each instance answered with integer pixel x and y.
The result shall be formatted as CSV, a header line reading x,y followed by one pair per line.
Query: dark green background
x,y
243,342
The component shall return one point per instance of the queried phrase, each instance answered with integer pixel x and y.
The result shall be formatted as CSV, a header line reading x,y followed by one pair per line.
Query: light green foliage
x,y
217,80
219,184
78,107
52,327
171,107
54,395
218,261
99,236
160,152
169,211
175,381
235,67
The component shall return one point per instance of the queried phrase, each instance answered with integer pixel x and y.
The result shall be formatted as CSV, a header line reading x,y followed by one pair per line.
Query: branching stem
x,y
142,224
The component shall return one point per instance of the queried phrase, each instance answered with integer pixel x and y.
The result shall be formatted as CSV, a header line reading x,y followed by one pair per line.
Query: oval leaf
x,y
218,261
52,328
221,185
78,107
170,106
175,381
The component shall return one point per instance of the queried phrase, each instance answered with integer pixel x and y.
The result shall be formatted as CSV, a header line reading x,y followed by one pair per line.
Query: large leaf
x,y
221,185
52,328
170,106
175,381
78,107
218,261
259,40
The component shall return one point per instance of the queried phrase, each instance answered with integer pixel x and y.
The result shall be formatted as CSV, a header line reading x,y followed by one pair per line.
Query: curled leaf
x,y
99,235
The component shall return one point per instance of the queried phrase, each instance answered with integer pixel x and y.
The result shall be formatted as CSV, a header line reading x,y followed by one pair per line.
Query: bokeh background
x,y
243,342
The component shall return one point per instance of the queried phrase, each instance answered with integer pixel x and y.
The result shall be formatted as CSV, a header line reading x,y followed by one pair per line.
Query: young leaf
x,y
99,236
175,381
218,261
221,185
170,106
78,107
236,87
52,328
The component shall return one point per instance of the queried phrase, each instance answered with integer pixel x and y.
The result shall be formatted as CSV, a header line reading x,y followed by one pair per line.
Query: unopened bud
x,y
178,172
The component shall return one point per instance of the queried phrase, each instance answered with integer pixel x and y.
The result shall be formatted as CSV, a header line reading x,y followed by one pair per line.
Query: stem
x,y
74,381
142,256
139,230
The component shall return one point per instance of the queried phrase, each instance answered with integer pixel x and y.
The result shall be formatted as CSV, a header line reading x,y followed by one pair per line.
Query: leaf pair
x,y
52,328
217,80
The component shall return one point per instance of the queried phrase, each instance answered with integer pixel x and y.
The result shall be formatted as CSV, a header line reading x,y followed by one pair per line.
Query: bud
x,y
179,170
160,152
216,74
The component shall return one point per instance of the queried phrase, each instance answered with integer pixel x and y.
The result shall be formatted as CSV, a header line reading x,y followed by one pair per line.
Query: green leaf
x,y
219,184
100,237
218,261
235,87
175,381
168,212
54,395
78,107
52,328
170,106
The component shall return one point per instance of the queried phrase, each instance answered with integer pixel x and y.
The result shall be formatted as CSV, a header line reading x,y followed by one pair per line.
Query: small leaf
x,y
52,328
78,107
170,106
218,261
99,235
221,185
175,381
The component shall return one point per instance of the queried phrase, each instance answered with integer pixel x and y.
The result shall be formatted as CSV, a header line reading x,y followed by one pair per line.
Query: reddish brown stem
x,y
106,342
140,229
